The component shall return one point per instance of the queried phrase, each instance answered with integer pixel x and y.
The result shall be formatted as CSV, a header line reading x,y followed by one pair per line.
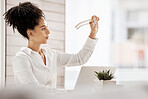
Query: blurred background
x,y
122,37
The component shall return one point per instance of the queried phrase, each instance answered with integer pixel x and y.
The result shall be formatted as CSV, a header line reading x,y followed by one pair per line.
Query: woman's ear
x,y
29,32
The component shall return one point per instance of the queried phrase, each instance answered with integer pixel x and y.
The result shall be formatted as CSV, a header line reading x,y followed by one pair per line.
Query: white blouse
x,y
30,70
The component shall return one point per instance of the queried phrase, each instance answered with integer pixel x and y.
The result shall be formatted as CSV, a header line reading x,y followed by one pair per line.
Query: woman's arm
x,y
64,59
84,54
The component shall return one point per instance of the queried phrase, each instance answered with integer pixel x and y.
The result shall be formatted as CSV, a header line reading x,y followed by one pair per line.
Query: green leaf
x,y
104,75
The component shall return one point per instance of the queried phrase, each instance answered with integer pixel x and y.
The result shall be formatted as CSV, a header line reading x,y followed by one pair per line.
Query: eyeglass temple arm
x,y
81,23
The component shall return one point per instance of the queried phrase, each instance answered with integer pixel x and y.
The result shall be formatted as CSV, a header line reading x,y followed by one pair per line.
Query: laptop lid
x,y
87,75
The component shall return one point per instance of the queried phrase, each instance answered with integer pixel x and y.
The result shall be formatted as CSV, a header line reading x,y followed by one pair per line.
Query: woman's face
x,y
41,32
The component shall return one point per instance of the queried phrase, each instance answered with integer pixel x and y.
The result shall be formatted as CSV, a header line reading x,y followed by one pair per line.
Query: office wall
x,y
77,11
55,15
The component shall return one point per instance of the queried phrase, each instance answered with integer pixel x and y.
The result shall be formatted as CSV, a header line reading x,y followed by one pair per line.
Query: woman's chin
x,y
45,42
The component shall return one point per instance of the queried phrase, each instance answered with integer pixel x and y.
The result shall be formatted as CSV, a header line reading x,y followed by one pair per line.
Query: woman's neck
x,y
34,46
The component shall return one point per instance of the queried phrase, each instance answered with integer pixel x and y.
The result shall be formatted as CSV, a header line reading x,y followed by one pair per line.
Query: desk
x,y
124,76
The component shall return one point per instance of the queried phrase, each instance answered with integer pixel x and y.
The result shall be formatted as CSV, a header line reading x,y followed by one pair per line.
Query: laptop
x,y
87,76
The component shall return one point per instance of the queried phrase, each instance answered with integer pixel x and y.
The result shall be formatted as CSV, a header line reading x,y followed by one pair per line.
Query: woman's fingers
x,y
97,18
91,22
94,18
94,24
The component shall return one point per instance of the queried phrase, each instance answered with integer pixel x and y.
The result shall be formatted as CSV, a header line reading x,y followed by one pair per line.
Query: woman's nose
x,y
48,32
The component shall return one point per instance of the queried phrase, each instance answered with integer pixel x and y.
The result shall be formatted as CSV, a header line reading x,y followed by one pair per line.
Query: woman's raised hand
x,y
94,26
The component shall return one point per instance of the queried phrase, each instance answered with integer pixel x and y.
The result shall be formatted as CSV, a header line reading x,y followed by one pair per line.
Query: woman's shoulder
x,y
22,52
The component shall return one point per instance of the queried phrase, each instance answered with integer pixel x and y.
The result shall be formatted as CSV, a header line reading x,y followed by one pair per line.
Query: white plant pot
x,y
104,83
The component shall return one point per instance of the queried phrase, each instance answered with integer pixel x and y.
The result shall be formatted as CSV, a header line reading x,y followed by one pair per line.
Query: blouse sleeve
x,y
80,58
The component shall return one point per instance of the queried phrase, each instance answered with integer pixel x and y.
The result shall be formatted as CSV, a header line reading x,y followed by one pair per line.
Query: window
x,y
130,43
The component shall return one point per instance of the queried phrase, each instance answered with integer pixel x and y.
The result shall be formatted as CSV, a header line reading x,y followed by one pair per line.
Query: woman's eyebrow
x,y
42,26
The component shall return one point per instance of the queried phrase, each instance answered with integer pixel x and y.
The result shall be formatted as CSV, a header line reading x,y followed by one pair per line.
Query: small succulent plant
x,y
104,75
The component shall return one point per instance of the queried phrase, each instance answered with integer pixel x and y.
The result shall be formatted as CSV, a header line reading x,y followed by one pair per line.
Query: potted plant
x,y
105,78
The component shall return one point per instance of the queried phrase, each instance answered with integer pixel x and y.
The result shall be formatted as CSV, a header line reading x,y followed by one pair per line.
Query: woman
x,y
35,66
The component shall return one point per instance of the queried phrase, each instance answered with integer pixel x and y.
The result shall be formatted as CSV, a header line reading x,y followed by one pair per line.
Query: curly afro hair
x,y
23,17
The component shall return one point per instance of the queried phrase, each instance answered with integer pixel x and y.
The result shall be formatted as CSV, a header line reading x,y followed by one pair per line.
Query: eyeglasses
x,y
86,22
